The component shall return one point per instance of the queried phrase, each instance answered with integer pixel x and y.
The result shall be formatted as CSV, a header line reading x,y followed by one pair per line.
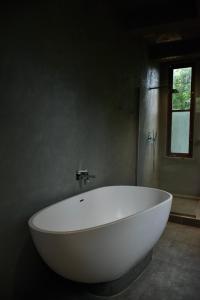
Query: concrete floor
x,y
174,272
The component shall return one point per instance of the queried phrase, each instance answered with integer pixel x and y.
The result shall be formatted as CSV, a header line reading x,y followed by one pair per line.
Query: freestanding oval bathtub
x,y
97,236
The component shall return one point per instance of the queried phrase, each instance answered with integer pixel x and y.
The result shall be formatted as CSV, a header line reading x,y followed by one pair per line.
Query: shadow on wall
x,y
33,279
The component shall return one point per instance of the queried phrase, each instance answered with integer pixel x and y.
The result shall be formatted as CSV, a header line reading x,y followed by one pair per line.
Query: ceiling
x,y
157,21
139,14
170,28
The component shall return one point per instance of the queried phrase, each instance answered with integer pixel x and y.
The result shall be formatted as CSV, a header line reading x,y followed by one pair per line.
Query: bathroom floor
x,y
174,272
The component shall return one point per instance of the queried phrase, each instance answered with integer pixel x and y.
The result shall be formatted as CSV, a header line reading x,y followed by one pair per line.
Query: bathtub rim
x,y
69,232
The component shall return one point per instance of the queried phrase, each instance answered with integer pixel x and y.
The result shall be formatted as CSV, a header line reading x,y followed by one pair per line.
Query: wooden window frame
x,y
170,110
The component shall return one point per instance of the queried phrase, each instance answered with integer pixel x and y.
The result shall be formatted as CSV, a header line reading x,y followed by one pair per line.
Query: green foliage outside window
x,y
182,78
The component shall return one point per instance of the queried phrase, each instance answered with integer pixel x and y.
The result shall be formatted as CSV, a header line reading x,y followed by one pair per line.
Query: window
x,y
180,111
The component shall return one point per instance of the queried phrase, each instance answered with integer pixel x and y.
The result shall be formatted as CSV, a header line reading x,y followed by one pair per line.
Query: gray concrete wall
x,y
180,175
147,172
69,99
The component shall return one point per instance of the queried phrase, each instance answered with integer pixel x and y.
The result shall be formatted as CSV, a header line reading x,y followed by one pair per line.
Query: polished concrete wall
x,y
179,175
148,147
69,99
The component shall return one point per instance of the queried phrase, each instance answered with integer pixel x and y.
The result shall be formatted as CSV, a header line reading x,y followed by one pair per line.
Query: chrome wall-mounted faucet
x,y
83,176
151,137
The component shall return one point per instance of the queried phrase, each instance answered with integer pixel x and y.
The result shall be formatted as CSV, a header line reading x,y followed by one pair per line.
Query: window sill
x,y
179,158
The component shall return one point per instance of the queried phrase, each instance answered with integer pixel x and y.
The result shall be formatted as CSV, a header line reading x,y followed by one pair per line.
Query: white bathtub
x,y
99,235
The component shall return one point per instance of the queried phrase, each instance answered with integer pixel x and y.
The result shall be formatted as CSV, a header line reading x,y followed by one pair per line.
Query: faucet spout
x,y
83,176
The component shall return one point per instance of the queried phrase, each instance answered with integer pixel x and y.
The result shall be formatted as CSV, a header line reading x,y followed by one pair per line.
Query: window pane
x,y
180,132
182,78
